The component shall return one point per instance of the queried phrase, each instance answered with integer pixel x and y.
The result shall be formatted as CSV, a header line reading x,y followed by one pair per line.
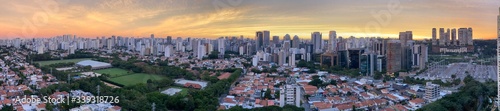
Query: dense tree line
x,y
488,48
473,96
48,56
60,75
344,71
58,65
208,98
166,70
410,80
80,54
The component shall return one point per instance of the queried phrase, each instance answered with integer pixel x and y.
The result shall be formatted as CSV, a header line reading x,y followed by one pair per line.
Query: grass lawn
x,y
184,90
44,63
113,72
136,78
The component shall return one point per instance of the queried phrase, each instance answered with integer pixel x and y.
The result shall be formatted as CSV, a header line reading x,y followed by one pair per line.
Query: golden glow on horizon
x,y
200,18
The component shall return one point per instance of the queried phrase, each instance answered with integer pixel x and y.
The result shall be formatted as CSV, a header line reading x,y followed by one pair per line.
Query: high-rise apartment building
x,y
291,93
442,39
419,56
287,37
169,51
259,40
221,45
453,37
267,39
393,56
316,41
276,40
447,37
431,91
295,42
469,36
332,41
463,38
434,40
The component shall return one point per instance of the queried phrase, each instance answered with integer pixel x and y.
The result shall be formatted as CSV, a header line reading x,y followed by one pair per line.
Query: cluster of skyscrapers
x,y
452,40
143,46
372,55
369,54
449,38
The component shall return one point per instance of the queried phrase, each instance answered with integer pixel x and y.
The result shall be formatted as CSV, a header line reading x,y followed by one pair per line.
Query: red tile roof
x,y
192,85
417,101
322,105
224,76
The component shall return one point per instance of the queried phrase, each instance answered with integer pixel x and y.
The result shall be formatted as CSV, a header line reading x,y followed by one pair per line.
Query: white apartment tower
x,y
290,93
168,51
291,59
200,51
281,58
332,41
431,91
221,43
17,43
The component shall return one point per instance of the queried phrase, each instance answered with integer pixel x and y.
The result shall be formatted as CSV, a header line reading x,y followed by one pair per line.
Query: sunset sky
x,y
216,18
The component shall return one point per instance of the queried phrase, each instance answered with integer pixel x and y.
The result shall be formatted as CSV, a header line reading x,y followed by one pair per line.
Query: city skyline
x,y
216,18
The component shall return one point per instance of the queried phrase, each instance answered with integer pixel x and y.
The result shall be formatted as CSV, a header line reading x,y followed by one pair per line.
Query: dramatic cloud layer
x,y
215,18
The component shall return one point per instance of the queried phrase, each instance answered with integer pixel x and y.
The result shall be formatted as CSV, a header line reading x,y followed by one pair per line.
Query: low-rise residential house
x,y
416,103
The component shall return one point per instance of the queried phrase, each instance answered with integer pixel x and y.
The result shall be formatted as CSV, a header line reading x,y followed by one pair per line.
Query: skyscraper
x,y
168,51
453,36
442,39
465,36
295,42
281,57
447,37
276,40
267,39
469,36
434,40
393,56
405,36
221,44
259,40
316,40
169,40
286,45
287,37
332,41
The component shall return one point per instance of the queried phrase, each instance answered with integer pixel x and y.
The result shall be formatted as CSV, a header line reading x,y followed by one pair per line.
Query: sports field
x,y
136,78
184,91
114,72
44,63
